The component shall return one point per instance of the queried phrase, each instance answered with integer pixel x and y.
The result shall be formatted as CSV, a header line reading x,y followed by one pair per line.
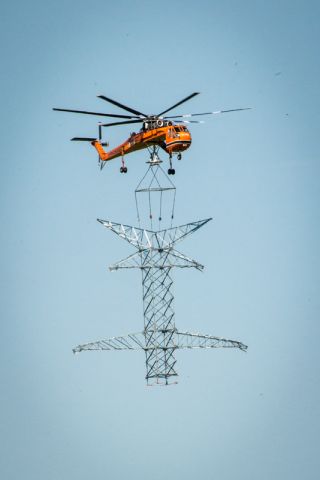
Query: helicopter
x,y
157,131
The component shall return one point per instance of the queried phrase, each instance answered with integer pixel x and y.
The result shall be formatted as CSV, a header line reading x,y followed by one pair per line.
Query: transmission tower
x,y
156,256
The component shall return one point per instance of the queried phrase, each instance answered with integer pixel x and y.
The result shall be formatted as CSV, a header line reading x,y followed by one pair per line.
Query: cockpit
x,y
180,128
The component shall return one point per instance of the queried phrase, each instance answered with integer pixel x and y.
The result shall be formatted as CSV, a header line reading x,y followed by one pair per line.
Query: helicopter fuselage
x,y
171,138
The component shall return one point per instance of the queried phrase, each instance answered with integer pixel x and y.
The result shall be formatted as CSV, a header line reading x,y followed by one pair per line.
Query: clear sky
x,y
232,415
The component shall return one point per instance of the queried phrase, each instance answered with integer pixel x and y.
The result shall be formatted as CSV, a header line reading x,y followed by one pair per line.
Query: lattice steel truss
x,y
155,256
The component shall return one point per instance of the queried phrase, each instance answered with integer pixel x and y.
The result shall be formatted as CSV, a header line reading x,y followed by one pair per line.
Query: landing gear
x,y
179,156
123,168
171,171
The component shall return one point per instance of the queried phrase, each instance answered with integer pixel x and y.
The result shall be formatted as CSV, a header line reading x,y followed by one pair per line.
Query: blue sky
x,y
253,415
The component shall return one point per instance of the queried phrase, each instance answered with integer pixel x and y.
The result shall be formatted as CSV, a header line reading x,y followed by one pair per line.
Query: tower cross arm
x,y
162,239
136,341
146,259
137,237
174,235
133,341
197,340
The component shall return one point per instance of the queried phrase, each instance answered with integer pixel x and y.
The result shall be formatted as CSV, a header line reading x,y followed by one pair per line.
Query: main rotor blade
x,y
209,113
136,112
93,113
179,103
120,123
191,121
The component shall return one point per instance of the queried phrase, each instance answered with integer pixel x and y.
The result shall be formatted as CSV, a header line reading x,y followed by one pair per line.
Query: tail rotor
x,y
92,140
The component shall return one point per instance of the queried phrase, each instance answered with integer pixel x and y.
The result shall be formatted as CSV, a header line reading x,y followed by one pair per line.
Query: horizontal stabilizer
x,y
83,139
89,139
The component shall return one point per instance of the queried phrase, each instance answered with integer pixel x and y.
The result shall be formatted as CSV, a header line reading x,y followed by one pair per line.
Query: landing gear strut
x,y
171,171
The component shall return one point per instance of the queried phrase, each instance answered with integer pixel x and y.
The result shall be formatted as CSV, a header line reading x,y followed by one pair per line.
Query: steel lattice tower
x,y
156,256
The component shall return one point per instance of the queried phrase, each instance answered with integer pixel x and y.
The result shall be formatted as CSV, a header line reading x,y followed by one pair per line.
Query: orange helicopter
x,y
157,131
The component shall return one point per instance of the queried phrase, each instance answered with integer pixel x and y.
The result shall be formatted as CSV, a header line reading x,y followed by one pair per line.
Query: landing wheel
x,y
179,156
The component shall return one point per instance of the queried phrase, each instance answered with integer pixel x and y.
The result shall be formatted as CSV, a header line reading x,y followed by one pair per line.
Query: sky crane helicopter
x,y
157,131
